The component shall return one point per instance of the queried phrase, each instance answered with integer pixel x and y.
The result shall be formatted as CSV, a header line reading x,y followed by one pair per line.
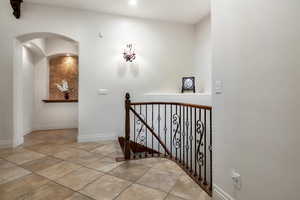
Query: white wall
x,y
256,48
203,55
55,46
164,54
41,44
28,90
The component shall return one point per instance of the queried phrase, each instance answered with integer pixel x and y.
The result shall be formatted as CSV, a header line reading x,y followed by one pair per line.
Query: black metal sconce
x,y
16,6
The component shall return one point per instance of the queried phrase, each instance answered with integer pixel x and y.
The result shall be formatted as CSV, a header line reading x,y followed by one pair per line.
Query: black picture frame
x,y
191,88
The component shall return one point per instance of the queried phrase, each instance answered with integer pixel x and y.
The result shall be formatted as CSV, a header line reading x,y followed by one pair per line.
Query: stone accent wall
x,y
63,68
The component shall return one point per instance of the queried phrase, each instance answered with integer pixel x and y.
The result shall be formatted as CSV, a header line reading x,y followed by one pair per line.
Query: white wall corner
x,y
96,137
5,144
220,194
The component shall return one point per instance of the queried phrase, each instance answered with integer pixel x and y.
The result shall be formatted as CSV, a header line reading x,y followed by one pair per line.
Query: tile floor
x,y
52,165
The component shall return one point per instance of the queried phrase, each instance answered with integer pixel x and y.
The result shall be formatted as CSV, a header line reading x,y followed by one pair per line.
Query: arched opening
x,y
35,105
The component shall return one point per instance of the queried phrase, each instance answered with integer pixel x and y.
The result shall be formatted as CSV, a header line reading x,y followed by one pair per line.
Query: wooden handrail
x,y
173,103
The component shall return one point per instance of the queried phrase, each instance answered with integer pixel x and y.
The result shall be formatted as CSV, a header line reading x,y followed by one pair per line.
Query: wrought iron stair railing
x,y
178,131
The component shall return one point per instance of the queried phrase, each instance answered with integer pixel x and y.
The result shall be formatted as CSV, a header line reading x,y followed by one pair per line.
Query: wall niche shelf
x,y
60,101
178,94
192,98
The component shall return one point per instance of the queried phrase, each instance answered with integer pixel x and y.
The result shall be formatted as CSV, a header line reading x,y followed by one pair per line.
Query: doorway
x,y
45,85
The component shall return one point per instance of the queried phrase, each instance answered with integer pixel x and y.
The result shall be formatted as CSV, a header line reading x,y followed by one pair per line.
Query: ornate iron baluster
x,y
177,135
200,155
134,132
195,140
199,166
158,120
182,134
176,130
146,111
191,139
152,129
210,149
205,148
140,131
171,144
165,129
187,136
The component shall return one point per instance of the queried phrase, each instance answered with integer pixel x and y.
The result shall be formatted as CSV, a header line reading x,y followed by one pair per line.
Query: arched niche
x,y
18,80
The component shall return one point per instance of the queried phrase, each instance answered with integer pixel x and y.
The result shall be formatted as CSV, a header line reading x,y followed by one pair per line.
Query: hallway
x,y
52,165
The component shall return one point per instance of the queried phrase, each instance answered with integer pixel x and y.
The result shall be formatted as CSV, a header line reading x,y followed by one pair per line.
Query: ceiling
x,y
185,11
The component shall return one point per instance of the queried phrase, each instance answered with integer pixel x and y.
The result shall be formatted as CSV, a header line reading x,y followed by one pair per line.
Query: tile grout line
x,y
83,166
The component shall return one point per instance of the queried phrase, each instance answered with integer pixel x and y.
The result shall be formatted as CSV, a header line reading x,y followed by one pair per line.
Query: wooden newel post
x,y
127,126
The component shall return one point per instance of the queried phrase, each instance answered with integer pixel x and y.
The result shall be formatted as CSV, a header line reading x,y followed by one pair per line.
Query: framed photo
x,y
188,84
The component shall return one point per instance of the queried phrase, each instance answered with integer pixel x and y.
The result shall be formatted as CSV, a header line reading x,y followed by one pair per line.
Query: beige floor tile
x,y
168,166
79,178
21,184
87,146
160,180
130,171
5,164
186,188
172,197
40,164
23,157
21,187
71,154
116,154
150,162
63,136
105,188
10,151
48,149
9,172
108,149
78,196
50,191
59,170
31,142
104,142
85,158
138,192
105,164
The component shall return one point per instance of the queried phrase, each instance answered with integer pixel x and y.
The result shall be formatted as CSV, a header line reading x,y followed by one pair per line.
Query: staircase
x,y
178,131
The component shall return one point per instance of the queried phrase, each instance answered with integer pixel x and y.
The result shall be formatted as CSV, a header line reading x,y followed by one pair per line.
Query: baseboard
x,y
54,127
5,144
82,137
219,194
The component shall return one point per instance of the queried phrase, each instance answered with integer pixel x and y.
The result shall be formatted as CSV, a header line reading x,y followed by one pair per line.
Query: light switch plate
x,y
236,179
219,87
103,91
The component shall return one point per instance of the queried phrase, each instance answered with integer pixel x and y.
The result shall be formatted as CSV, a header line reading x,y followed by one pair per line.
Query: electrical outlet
x,y
236,179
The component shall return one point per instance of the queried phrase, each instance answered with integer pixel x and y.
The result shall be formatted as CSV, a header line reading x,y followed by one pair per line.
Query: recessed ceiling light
x,y
132,2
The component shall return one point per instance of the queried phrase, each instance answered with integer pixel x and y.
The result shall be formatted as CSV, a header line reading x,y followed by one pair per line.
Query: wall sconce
x,y
129,54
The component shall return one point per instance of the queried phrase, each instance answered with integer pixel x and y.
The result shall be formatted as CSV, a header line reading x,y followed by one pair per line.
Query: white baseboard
x,y
82,137
5,144
219,194
45,127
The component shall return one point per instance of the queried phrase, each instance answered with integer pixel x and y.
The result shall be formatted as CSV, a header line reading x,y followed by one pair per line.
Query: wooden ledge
x,y
60,101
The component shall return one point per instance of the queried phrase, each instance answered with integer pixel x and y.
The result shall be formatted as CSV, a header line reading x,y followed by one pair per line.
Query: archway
x,y
35,43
